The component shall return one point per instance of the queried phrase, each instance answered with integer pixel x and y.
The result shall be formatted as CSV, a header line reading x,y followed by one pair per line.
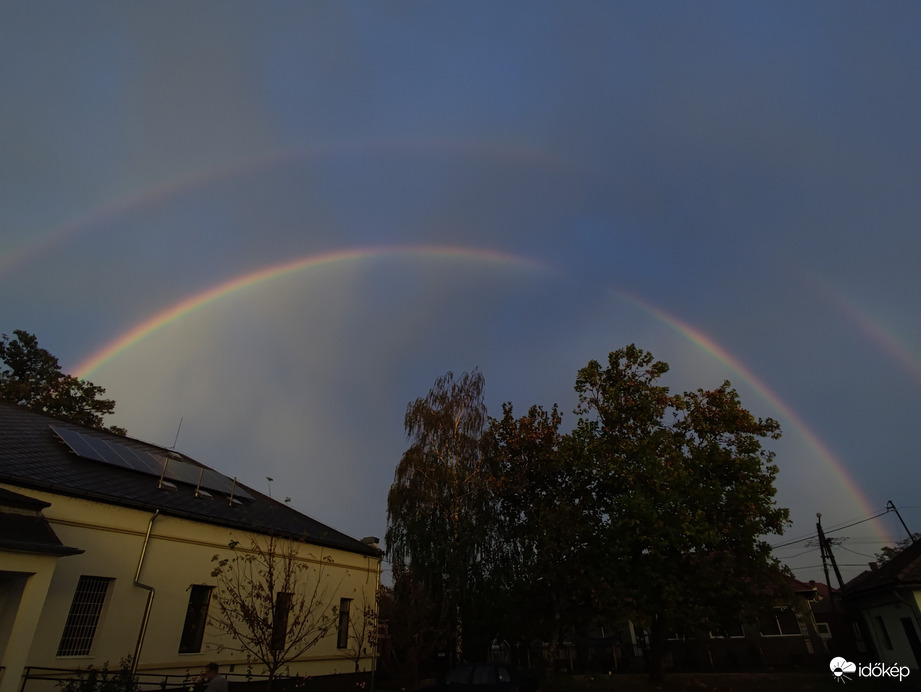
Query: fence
x,y
37,679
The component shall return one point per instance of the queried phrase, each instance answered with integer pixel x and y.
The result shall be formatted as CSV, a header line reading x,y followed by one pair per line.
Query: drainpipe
x,y
151,592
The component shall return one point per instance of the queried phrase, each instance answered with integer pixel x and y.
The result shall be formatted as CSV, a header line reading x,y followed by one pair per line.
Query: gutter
x,y
242,524
151,592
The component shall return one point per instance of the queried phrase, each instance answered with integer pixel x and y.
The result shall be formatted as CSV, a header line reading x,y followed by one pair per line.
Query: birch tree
x,y
438,505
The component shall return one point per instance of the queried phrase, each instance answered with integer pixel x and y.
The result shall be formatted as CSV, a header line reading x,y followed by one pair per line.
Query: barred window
x,y
80,629
342,640
196,617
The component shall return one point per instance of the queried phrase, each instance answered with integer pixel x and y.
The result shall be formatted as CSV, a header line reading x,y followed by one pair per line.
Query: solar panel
x,y
79,444
183,472
133,459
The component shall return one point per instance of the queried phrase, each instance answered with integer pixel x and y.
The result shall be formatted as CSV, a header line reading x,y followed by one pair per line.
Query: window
x,y
883,632
784,622
196,616
80,628
280,620
732,631
343,641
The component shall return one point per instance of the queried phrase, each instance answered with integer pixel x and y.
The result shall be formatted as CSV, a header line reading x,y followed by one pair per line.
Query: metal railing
x,y
50,678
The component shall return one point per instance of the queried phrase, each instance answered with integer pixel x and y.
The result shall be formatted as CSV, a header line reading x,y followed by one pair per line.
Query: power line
x,y
855,523
793,542
831,530
791,557
843,547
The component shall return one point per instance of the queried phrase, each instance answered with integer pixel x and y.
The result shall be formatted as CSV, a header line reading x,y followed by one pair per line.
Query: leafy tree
x,y
438,505
415,625
32,378
887,552
682,494
540,531
273,605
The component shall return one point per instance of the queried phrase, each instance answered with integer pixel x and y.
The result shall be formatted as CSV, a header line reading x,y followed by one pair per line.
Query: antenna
x,y
232,491
163,472
175,441
201,472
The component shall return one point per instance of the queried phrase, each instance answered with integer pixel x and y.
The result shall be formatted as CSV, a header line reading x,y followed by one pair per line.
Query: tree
x,y
92,679
273,605
414,623
682,495
32,378
539,532
361,634
437,507
887,552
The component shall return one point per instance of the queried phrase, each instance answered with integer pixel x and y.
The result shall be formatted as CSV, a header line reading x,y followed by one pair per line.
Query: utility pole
x,y
891,506
825,547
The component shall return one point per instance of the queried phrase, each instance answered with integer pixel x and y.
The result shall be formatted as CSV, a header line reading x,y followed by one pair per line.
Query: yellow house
x,y
107,549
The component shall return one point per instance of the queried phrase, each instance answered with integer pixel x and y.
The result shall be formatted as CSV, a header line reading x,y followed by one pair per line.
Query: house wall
x,y
893,646
24,583
178,554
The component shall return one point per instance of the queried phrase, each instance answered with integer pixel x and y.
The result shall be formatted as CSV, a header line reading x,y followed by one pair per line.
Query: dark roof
x,y
10,499
902,570
33,456
23,529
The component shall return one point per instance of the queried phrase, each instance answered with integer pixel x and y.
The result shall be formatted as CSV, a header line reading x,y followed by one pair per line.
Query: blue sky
x,y
748,172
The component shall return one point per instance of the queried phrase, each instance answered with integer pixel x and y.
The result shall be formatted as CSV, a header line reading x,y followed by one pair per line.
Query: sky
x,y
265,229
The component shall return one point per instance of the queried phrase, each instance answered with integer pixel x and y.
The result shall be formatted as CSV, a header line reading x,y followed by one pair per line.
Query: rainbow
x,y
252,279
161,192
870,326
708,345
195,302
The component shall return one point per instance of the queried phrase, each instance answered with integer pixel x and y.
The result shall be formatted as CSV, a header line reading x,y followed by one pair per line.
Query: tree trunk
x,y
657,644
459,634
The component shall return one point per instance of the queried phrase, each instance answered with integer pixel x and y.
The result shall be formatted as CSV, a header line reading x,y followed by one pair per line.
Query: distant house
x,y
794,633
887,599
786,636
106,548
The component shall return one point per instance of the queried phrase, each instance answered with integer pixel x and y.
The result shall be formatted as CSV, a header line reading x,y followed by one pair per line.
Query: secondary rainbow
x,y
128,204
825,454
245,281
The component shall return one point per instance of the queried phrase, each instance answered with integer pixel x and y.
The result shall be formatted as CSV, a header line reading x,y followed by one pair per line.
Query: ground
x,y
726,682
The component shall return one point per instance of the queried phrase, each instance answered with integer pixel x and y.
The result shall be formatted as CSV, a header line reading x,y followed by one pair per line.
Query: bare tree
x,y
362,632
271,603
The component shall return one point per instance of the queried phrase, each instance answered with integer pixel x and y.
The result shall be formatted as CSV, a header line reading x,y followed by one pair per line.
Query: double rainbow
x,y
198,301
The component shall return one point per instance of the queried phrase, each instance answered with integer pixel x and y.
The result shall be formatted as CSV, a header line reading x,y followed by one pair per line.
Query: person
x,y
216,681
